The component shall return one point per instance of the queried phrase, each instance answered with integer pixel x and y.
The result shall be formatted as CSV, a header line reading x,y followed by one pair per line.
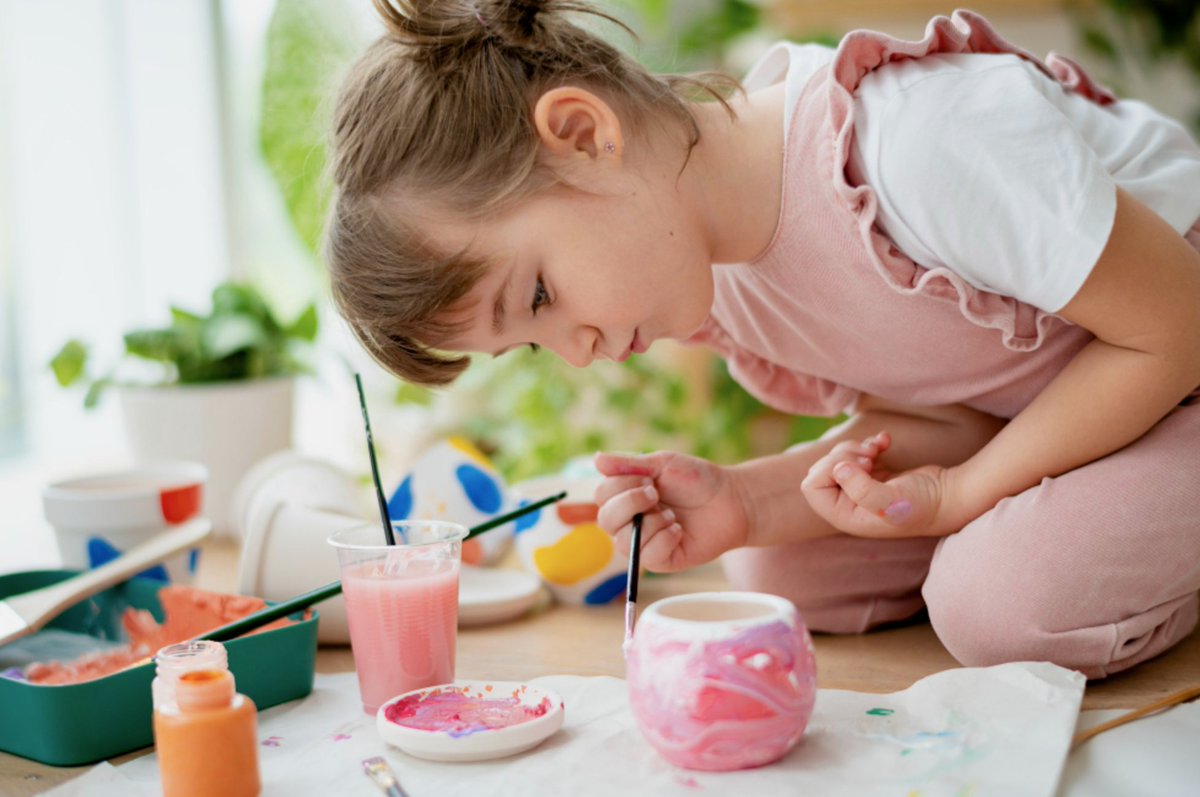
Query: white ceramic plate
x,y
476,745
490,595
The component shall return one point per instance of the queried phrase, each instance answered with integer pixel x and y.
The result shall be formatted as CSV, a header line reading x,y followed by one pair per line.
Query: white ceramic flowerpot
x,y
226,426
721,680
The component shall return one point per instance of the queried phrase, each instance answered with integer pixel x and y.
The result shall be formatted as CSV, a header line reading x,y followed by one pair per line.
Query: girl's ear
x,y
574,123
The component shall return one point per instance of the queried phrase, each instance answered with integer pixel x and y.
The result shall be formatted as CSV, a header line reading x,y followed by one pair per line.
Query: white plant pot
x,y
225,426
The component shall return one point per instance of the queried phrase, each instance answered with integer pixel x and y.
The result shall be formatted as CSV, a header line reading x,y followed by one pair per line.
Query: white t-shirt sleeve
x,y
979,171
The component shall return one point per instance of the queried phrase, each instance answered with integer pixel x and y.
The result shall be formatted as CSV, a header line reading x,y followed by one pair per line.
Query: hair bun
x,y
456,23
516,20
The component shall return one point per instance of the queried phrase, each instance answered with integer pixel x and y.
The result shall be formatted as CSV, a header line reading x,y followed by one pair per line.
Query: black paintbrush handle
x,y
635,555
383,507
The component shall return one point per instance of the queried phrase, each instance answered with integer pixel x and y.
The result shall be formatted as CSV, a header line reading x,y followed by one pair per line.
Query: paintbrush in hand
x,y
631,583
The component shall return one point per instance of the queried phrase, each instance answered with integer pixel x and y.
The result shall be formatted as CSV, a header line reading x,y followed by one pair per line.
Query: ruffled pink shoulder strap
x,y
1022,326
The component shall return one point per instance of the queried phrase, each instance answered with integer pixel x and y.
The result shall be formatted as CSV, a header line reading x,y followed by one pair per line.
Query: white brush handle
x,y
40,606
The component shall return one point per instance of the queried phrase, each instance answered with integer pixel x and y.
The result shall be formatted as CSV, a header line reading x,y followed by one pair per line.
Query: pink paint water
x,y
403,627
461,712
725,703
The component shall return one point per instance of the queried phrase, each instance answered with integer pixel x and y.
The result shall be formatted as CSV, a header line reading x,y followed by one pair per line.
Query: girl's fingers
x,y
658,549
873,496
653,525
613,486
610,464
617,512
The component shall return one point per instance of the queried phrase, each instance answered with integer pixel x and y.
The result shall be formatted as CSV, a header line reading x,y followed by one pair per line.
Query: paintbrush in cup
x,y
631,583
500,520
299,602
383,508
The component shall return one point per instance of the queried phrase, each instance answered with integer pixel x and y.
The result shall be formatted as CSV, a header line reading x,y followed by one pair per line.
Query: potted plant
x,y
215,389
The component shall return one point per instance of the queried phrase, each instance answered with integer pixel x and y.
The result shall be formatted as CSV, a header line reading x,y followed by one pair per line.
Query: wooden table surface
x,y
575,640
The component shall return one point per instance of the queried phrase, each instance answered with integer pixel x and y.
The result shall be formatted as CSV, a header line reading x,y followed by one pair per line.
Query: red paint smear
x,y
190,612
180,503
574,514
458,713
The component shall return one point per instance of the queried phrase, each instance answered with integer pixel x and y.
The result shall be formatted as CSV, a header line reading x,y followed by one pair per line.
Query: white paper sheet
x,y
988,731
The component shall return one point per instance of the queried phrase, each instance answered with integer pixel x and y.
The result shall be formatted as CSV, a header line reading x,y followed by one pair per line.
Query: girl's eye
x,y
540,297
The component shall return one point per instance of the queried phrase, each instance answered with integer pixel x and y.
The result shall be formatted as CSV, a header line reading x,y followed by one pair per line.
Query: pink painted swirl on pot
x,y
723,695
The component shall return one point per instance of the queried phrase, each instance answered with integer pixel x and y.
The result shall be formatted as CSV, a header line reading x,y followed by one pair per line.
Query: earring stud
x,y
610,147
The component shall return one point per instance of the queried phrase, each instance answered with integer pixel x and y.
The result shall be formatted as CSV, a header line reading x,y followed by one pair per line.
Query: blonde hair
x,y
438,114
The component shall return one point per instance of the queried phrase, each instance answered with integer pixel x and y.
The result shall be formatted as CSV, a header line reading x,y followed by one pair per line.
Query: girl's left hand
x,y
847,488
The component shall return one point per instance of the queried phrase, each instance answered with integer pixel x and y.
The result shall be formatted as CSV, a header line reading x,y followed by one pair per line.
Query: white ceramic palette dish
x,y
470,720
490,595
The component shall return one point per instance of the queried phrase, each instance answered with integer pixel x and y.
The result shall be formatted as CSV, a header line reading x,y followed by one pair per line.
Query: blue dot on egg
x,y
605,591
480,488
526,522
101,551
401,504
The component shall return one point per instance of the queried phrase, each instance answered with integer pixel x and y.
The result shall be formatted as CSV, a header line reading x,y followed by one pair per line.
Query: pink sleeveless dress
x,y
1083,570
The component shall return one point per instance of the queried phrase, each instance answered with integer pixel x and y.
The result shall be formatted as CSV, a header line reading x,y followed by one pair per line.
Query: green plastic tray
x,y
79,724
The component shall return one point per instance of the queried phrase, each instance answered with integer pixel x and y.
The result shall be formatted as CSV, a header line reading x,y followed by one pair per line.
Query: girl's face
x,y
587,275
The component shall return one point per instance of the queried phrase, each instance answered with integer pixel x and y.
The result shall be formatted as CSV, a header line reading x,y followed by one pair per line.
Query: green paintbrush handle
x,y
500,520
271,613
264,616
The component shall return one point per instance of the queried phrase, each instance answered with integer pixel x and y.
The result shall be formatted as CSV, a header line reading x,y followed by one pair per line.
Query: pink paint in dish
x,y
722,680
470,720
459,712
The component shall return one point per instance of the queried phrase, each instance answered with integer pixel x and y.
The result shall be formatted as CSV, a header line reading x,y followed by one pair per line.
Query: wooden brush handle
x,y
1182,696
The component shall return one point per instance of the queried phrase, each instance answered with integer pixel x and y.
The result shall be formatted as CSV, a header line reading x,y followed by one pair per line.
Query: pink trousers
x,y
1095,570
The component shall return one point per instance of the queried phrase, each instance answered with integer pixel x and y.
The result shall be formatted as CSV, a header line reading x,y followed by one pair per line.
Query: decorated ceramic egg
x,y
452,480
563,544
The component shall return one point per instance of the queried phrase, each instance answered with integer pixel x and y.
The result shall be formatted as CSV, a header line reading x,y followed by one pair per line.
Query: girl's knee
x,y
987,616
837,587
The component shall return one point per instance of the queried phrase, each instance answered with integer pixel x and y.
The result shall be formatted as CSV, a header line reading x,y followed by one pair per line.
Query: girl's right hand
x,y
692,510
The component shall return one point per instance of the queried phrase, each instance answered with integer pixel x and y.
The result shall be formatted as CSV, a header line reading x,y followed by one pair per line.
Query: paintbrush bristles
x,y
383,508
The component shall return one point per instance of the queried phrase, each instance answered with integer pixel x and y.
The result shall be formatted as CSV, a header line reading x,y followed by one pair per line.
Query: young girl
x,y
985,260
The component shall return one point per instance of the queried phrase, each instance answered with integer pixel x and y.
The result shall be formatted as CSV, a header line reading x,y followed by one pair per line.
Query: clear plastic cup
x,y
401,605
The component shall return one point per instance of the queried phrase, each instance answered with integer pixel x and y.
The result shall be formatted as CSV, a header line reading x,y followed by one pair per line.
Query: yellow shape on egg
x,y
583,552
464,446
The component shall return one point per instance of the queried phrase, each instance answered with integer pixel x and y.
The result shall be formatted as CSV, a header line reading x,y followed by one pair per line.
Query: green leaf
x,y
1100,43
162,345
95,390
305,325
414,395
70,362
241,298
308,44
185,319
225,334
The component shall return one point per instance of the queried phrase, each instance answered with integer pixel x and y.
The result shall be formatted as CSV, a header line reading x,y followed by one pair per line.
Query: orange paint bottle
x,y
206,734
